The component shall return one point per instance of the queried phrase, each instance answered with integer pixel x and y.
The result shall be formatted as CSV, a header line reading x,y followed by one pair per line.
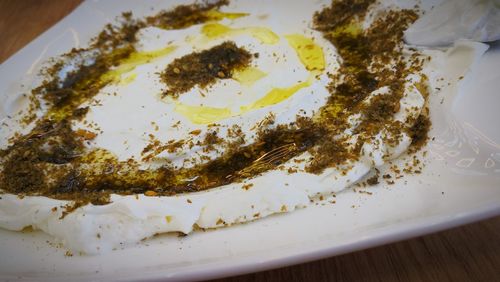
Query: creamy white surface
x,y
126,119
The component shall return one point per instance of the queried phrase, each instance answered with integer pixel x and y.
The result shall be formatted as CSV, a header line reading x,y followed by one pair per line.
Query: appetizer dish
x,y
205,115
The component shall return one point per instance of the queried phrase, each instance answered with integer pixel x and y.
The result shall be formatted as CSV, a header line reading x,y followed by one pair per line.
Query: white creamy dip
x,y
128,219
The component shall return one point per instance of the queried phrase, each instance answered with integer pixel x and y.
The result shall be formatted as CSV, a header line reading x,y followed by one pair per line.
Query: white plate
x,y
460,184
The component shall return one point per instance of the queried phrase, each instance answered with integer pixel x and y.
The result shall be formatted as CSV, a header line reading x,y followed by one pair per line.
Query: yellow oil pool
x,y
310,54
135,59
263,34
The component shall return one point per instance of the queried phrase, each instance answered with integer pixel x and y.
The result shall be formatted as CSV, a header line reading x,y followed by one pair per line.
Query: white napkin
x,y
477,20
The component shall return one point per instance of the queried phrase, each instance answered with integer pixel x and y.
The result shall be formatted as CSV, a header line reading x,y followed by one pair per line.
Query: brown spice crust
x,y
185,15
204,68
419,132
371,59
372,180
341,13
328,153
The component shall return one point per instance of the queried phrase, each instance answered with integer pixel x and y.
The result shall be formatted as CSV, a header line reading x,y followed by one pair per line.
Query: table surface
x,y
471,252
